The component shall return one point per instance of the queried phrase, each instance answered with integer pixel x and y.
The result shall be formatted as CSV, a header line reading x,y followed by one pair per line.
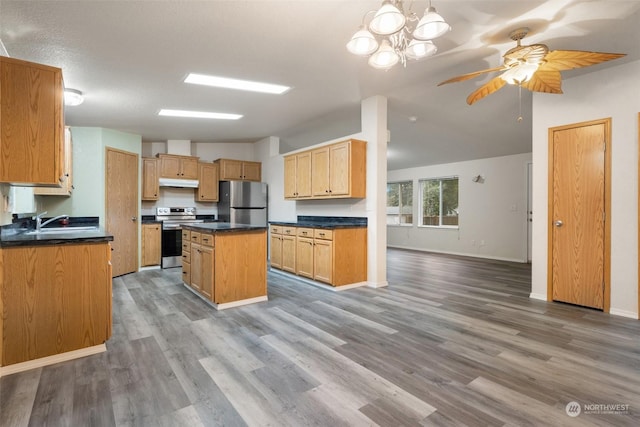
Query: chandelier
x,y
393,36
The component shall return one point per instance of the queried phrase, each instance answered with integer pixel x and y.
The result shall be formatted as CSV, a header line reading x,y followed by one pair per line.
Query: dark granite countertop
x,y
21,237
215,227
325,222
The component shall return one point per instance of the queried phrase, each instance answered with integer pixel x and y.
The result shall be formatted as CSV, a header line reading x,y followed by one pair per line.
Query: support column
x,y
374,130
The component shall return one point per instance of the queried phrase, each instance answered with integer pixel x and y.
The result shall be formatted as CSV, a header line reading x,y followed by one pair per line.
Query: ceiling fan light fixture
x,y
387,20
362,43
520,73
419,49
431,26
385,58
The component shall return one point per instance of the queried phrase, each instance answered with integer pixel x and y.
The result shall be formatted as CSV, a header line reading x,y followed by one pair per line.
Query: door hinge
x,y
602,286
604,146
604,216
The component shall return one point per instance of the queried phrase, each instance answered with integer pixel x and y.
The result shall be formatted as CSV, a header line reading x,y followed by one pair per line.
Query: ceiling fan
x,y
533,67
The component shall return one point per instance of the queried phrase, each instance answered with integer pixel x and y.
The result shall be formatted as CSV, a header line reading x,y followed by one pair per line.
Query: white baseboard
x,y
623,313
541,297
50,360
151,267
521,261
378,284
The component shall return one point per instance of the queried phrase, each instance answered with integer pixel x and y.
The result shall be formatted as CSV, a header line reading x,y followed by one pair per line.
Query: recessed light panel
x,y
216,81
199,114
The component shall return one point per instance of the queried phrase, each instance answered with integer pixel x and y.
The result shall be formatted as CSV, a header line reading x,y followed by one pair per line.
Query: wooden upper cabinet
x,y
66,186
180,167
332,171
207,190
233,170
32,123
297,172
150,186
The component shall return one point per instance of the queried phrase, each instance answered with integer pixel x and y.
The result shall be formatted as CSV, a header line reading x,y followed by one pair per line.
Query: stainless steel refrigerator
x,y
243,202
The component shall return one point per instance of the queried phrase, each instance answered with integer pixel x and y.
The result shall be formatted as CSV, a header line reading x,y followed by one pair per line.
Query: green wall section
x,y
88,197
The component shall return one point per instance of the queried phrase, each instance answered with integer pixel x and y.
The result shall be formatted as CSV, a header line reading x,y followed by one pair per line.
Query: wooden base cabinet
x,y
55,299
337,257
151,244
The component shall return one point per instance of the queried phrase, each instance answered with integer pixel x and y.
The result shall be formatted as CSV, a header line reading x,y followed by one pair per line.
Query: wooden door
x,y
579,196
320,170
276,250
339,165
189,168
170,166
122,209
289,253
230,169
304,257
150,185
322,260
303,175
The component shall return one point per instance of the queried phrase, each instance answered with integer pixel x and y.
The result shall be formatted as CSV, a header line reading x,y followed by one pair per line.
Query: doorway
x,y
121,179
579,205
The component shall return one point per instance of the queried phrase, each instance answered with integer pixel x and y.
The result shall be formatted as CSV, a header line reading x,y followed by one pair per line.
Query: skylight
x,y
199,114
202,79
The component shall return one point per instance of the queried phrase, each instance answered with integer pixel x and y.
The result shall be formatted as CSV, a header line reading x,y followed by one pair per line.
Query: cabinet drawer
x,y
186,245
305,232
186,273
275,229
289,231
196,237
186,235
320,233
207,239
186,257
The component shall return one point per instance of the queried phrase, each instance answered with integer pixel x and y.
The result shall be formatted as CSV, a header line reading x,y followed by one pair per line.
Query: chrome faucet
x,y
40,224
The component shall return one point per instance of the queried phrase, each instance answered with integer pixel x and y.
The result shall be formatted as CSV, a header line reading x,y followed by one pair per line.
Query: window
x,y
400,203
439,198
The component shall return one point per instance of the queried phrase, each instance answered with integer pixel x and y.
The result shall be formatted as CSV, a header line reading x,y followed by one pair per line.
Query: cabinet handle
x,y
322,234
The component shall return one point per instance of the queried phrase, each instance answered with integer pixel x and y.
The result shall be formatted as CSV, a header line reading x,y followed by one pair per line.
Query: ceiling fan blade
x,y
559,60
544,81
492,86
472,75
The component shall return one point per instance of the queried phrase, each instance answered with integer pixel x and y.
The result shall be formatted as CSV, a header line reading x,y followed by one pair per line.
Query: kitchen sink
x,y
62,230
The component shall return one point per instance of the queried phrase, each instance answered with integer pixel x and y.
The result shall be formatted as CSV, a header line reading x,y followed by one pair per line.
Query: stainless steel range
x,y
172,221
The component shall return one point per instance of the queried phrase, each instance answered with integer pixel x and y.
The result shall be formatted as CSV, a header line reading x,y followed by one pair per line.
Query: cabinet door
x,y
186,273
207,190
66,181
252,171
276,251
230,169
304,257
196,266
320,169
189,168
303,175
289,253
339,164
150,188
322,260
290,177
32,126
169,167
206,271
151,245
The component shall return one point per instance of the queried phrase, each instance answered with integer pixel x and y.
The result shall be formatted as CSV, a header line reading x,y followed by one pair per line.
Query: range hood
x,y
178,183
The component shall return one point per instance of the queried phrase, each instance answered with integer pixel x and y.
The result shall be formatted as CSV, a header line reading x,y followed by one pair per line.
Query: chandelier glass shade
x,y
393,36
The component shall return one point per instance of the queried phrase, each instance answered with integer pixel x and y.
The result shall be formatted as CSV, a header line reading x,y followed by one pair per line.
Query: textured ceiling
x,y
130,57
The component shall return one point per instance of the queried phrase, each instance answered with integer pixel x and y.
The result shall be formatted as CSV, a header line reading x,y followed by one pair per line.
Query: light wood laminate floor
x,y
452,341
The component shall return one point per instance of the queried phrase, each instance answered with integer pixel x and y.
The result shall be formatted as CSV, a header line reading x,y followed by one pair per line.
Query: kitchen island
x,y
55,295
225,264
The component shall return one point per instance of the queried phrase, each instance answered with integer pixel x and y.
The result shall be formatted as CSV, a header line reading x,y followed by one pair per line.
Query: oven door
x,y
171,247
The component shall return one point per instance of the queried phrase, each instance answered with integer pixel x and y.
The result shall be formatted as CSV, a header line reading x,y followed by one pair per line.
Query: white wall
x,y
615,93
493,212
